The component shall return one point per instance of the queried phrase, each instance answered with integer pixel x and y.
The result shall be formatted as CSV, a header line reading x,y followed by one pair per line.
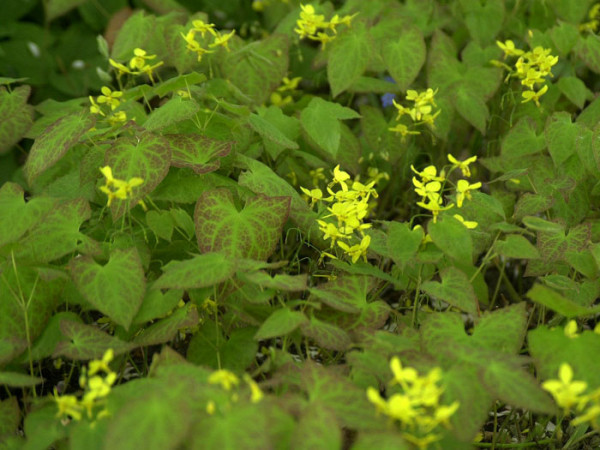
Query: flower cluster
x,y
205,29
349,207
422,111
592,25
138,65
96,389
569,393
289,86
414,402
314,26
531,68
115,188
430,186
228,381
110,99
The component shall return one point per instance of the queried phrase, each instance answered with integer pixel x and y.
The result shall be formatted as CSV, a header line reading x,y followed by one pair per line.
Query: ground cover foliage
x,y
327,225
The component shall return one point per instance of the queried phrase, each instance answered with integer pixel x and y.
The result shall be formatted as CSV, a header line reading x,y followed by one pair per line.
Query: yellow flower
x,y
109,97
339,176
96,366
68,405
535,96
358,250
375,398
289,84
222,40
565,391
121,68
429,173
210,407
202,27
225,378
402,376
95,108
256,394
571,329
426,189
329,230
403,130
590,415
314,195
463,190
139,59
467,223
434,204
117,118
400,407
462,165
508,47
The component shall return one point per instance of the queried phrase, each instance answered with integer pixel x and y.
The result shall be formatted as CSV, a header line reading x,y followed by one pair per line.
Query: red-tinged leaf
x,y
147,157
199,153
115,289
87,342
16,116
347,293
326,335
250,233
280,323
200,271
56,140
166,329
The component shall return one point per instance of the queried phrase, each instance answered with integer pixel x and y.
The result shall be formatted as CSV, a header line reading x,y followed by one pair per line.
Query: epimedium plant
x,y
309,225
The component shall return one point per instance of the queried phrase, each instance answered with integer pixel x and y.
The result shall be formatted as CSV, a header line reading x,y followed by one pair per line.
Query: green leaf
x,y
56,8
288,126
384,440
56,140
292,283
402,242
470,106
270,131
257,68
135,33
553,300
326,335
561,137
201,271
251,233
502,330
537,224
550,348
115,289
573,12
347,293
348,58
44,345
522,139
18,216
484,20
282,322
575,90
453,238
16,116
87,342
404,56
454,289
317,429
157,304
516,246
166,329
147,156
161,224
57,235
15,379
510,384
531,204
182,82
320,120
161,412
10,417
175,110
588,49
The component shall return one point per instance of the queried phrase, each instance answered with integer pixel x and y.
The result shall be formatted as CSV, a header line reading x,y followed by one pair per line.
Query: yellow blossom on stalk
x,y
95,108
429,173
117,118
358,250
68,405
115,188
467,223
509,49
314,26
256,394
330,231
535,96
211,407
194,45
121,68
202,27
463,190
222,40
402,376
565,391
426,189
434,204
591,415
139,59
571,329
462,165
96,366
109,97
289,84
314,195
225,378
403,130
